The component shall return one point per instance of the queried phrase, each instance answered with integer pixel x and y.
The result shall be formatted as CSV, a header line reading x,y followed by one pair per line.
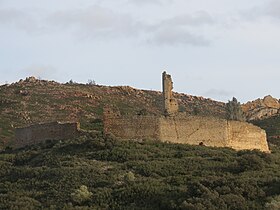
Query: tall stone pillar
x,y
170,103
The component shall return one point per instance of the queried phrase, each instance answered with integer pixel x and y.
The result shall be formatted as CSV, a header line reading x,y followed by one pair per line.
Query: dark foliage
x,y
234,110
92,172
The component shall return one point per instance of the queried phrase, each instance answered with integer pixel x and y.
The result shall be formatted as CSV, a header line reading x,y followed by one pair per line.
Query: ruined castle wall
x,y
208,131
138,127
194,130
213,132
42,132
246,136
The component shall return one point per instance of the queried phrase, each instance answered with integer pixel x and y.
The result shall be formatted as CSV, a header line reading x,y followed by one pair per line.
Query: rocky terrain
x,y
96,171
262,108
32,101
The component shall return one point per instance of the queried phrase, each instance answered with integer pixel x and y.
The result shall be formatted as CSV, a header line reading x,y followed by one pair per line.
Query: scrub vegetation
x,y
95,172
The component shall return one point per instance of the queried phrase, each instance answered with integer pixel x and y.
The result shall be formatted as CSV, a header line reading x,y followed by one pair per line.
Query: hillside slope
x,y
32,101
92,172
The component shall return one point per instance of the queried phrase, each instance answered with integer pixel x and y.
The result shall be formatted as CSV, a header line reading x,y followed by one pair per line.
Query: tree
x,y
234,110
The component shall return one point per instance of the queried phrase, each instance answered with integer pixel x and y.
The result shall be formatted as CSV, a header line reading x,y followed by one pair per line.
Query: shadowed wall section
x,y
48,131
142,127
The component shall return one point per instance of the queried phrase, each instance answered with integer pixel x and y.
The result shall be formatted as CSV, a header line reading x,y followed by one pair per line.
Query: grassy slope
x,y
133,175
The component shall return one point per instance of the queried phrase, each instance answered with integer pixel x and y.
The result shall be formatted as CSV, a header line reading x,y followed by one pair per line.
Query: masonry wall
x,y
138,127
47,131
194,130
190,130
246,136
212,132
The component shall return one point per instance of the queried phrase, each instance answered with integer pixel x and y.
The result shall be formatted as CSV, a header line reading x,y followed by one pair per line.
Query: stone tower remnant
x,y
170,103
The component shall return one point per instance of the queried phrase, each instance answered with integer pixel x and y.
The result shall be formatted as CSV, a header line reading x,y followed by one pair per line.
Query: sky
x,y
212,48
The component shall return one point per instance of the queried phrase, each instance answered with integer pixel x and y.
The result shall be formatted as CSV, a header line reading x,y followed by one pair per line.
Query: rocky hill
x,y
32,101
94,171
262,108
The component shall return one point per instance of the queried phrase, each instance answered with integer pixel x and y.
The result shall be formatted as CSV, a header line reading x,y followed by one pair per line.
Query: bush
x,y
273,204
129,177
81,195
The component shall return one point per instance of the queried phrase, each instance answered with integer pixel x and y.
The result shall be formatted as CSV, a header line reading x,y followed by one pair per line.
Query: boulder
x,y
261,108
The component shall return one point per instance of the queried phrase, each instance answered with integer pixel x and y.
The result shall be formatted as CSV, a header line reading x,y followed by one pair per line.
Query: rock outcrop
x,y
261,108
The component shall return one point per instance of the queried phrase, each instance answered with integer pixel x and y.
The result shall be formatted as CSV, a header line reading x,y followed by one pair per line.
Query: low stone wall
x,y
48,131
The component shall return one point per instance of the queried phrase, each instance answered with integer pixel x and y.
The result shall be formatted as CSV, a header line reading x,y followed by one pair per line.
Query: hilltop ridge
x,y
32,101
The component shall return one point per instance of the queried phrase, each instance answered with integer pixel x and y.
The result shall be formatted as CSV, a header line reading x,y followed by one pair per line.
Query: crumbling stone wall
x,y
213,132
189,130
194,130
47,131
132,128
243,135
170,103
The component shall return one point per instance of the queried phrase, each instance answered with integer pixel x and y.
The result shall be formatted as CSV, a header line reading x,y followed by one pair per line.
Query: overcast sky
x,y
212,48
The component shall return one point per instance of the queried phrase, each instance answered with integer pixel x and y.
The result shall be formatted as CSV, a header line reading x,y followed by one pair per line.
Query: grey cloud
x,y
175,36
268,9
20,19
144,2
96,21
12,17
103,23
199,19
149,2
272,9
181,30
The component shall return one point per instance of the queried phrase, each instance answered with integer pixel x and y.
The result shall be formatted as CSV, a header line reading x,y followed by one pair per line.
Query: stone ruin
x,y
170,103
170,127
45,131
175,128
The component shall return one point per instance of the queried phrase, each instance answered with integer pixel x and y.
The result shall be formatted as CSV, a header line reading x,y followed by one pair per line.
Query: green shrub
x,y
81,195
129,177
274,203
